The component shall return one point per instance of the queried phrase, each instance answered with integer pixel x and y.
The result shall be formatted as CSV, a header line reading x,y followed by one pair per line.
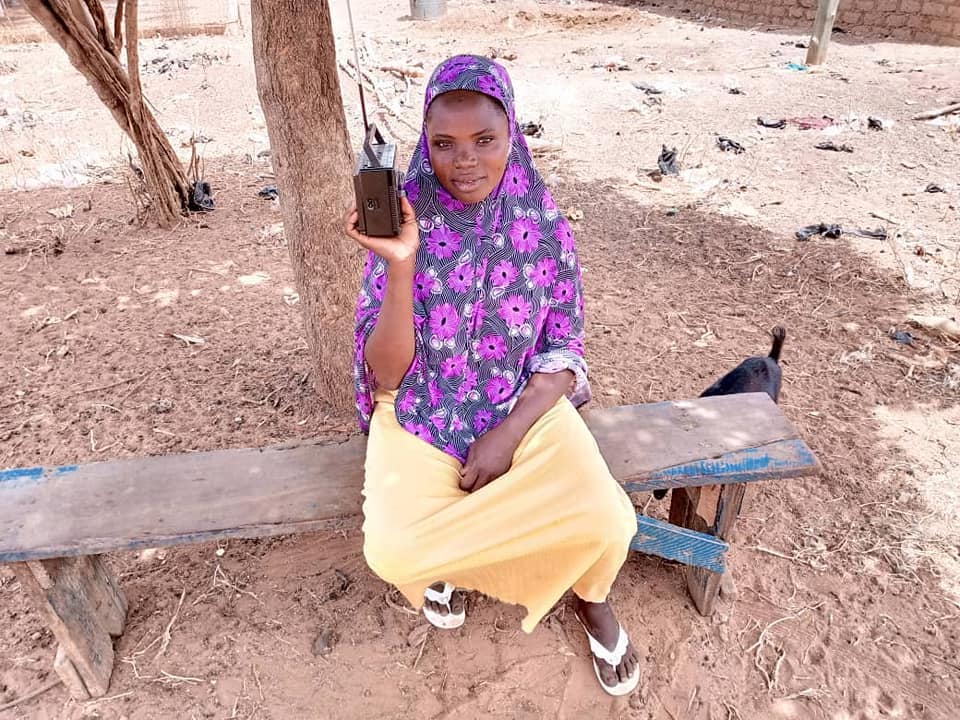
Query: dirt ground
x,y
849,583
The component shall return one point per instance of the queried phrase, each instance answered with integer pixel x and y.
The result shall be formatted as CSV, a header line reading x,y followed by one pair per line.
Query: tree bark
x,y
299,87
91,51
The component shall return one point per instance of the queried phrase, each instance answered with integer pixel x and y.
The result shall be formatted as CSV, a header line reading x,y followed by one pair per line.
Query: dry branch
x,y
96,58
937,112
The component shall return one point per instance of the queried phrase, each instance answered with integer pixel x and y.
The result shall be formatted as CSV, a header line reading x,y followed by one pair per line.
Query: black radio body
x,y
378,186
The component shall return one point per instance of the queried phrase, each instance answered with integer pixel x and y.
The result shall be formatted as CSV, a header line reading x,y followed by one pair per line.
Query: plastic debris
x,y
270,192
648,89
830,231
812,123
667,162
736,91
876,123
611,65
774,124
902,337
878,234
833,147
934,188
533,129
797,67
201,197
728,145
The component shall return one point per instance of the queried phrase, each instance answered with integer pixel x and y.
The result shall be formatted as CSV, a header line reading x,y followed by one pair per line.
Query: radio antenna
x,y
356,62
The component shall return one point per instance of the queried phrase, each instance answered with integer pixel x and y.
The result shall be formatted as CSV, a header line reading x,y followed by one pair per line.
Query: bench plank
x,y
781,459
656,537
195,497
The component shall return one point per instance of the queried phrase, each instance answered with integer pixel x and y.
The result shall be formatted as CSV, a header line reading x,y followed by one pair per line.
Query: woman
x,y
480,474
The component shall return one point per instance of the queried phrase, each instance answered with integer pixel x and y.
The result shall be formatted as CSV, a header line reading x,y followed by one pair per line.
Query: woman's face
x,y
469,143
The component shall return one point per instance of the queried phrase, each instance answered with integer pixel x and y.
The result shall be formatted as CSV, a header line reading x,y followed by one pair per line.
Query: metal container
x,y
427,9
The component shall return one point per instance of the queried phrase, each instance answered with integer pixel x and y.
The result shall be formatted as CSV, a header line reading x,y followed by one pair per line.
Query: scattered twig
x,y
91,703
757,647
256,677
402,72
423,644
171,678
136,387
83,391
732,712
166,637
768,551
31,695
219,576
937,112
811,693
396,606
378,94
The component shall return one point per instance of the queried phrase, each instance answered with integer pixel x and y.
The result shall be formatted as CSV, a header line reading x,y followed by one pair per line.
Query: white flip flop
x,y
450,621
612,658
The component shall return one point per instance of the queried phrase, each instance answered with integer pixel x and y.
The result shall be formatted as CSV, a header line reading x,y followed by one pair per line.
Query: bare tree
x,y
296,65
80,27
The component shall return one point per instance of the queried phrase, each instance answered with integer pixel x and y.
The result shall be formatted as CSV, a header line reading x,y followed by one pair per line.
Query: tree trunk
x,y
296,65
83,34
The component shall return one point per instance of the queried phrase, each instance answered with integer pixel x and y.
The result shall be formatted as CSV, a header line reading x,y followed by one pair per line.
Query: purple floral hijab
x,y
497,293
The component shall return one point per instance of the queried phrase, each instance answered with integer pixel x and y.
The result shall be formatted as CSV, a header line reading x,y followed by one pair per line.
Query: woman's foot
x,y
600,622
443,606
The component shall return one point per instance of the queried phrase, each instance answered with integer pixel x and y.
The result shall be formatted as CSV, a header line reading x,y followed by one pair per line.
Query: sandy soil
x,y
849,584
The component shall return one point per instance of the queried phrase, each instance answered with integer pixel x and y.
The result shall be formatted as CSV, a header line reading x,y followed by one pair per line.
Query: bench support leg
x,y
691,508
82,604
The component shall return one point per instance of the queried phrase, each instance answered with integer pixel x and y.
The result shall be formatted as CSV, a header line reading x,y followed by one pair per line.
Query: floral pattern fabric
x,y
498,293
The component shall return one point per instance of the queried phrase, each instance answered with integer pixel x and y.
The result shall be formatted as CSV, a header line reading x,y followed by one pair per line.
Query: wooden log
x,y
822,28
82,605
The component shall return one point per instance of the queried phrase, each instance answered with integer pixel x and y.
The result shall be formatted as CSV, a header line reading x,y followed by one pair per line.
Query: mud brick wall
x,y
922,21
156,17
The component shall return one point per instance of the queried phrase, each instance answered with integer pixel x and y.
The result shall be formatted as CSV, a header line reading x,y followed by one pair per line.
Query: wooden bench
x,y
56,522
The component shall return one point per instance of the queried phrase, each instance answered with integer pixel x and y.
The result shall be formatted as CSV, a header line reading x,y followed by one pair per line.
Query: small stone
x,y
324,642
728,588
850,327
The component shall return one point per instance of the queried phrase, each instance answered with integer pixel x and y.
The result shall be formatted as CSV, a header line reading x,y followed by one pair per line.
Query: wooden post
x,y
84,607
689,508
822,27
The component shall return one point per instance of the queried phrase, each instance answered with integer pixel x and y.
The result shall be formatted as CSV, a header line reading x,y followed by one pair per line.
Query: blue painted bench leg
x,y
722,506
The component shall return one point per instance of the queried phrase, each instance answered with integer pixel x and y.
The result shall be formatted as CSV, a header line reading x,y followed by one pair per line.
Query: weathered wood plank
x,y
67,593
704,583
656,537
781,459
153,501
67,671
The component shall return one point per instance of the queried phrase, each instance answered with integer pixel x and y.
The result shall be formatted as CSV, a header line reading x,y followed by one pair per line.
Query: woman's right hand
x,y
399,250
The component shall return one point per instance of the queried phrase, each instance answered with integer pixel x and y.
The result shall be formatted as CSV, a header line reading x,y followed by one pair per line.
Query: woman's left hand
x,y
489,457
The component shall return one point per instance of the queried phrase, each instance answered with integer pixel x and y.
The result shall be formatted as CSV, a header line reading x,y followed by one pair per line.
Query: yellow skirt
x,y
556,520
